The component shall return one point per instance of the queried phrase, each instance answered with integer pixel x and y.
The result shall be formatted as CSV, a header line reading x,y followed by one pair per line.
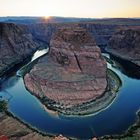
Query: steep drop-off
x,y
102,33
126,44
15,46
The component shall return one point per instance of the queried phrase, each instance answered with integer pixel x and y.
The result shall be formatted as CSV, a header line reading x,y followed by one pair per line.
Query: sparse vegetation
x,y
108,60
3,106
116,83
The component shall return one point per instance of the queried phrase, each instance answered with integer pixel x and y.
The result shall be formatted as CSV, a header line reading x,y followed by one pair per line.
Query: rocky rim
x,y
15,46
125,44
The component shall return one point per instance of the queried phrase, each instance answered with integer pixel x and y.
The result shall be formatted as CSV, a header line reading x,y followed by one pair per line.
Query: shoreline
x,y
130,132
115,54
17,64
93,106
17,124
34,129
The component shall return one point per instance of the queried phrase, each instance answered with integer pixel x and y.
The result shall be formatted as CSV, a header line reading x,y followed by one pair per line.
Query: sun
x,y
47,17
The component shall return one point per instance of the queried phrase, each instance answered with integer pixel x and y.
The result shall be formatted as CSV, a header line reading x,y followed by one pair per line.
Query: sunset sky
x,y
71,8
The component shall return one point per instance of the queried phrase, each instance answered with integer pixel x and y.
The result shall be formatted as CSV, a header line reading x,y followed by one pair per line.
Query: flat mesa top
x,y
74,35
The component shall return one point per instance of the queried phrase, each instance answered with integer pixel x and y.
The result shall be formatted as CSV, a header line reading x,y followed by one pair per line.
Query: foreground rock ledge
x,y
73,73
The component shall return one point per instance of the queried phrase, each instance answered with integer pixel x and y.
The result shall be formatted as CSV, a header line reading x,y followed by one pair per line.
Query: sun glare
x,y
47,17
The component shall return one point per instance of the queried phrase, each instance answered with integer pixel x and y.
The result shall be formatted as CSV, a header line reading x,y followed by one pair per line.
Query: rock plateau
x,y
73,73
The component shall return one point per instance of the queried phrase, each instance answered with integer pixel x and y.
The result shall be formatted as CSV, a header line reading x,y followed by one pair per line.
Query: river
x,y
114,119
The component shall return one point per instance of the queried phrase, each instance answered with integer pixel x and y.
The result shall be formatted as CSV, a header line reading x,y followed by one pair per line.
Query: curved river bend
x,y
115,119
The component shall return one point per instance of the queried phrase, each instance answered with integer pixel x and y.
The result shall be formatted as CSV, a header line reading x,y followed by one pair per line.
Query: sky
x,y
71,8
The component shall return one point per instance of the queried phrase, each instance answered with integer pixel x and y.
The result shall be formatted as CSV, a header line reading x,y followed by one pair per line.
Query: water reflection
x,y
128,68
10,82
10,79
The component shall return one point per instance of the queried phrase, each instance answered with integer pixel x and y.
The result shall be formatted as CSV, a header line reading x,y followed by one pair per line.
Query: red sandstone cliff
x,y
73,73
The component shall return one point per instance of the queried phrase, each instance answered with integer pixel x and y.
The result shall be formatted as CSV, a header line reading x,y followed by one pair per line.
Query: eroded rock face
x,y
12,129
102,33
15,46
126,44
73,73
76,50
102,29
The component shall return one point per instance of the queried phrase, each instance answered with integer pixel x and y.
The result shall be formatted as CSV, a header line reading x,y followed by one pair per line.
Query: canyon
x,y
100,32
20,41
64,77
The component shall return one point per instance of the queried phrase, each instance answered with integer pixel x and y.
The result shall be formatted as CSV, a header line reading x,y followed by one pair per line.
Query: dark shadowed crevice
x,y
78,62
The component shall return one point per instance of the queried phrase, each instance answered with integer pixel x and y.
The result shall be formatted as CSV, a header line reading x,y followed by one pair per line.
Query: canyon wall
x,y
126,44
101,33
15,46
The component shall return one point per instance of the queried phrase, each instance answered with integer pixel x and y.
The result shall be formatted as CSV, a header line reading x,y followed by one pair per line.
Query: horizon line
x,y
71,17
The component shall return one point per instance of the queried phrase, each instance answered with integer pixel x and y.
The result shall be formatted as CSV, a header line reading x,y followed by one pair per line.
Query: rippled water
x,y
113,120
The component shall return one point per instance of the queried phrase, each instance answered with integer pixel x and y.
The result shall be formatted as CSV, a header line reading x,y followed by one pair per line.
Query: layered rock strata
x,y
15,46
102,33
12,129
126,44
73,73
101,30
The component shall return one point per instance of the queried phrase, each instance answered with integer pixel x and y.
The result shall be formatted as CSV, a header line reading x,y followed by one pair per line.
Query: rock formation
x,y
126,44
102,33
15,46
102,29
74,72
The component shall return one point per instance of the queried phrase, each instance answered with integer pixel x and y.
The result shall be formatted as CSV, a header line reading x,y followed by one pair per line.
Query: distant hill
x,y
35,20
22,20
